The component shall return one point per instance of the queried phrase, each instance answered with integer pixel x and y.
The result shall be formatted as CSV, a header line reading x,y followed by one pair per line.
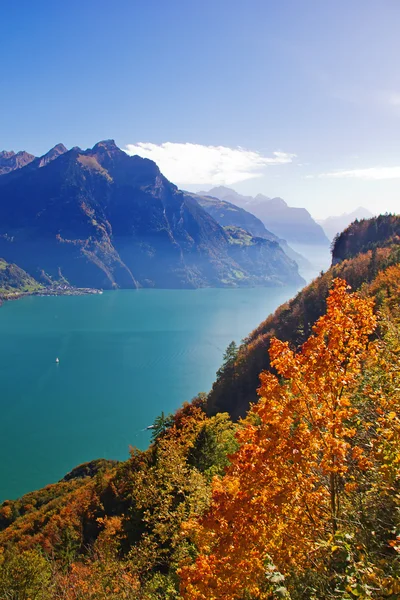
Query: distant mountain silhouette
x,y
101,218
228,214
334,225
293,224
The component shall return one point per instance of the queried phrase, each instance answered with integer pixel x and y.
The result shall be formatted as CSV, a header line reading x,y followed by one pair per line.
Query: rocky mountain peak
x,y
59,148
52,154
224,193
7,154
262,198
106,145
9,161
293,224
276,202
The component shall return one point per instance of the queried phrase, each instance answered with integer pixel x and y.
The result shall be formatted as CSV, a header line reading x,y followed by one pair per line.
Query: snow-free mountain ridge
x,y
101,218
293,224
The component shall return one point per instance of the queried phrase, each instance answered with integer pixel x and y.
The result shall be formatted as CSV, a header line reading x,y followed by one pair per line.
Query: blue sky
x,y
296,98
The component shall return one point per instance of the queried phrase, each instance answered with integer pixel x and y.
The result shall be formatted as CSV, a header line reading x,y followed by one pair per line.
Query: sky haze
x,y
292,99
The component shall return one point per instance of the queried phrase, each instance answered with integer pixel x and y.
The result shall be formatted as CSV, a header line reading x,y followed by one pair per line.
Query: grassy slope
x,y
14,281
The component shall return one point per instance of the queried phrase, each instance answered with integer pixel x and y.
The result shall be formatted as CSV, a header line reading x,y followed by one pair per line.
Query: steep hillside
x,y
105,219
253,253
295,225
14,281
228,214
366,234
235,388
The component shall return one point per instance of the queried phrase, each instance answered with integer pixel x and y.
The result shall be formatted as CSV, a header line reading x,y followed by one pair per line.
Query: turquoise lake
x,y
125,356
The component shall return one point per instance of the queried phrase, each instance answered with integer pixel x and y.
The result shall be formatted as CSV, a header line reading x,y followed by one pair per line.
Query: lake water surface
x,y
125,356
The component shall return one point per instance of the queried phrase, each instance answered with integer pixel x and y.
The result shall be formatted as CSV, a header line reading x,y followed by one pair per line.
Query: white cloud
x,y
370,174
217,165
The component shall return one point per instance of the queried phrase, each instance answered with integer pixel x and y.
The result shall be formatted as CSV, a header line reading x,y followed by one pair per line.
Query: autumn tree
x,y
24,575
102,575
282,494
213,444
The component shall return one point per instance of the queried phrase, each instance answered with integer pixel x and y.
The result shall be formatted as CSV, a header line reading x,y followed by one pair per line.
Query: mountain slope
x,y
253,253
235,387
52,155
10,161
364,235
335,224
292,223
105,219
295,225
14,280
228,214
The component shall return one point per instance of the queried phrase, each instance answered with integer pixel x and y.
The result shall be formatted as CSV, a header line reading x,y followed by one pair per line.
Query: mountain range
x,y
295,225
101,218
228,214
10,161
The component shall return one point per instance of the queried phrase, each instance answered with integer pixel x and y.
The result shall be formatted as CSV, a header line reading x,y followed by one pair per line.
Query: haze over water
x,y
125,356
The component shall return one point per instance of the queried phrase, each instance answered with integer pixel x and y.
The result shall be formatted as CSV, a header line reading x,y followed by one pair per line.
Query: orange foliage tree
x,y
103,574
282,493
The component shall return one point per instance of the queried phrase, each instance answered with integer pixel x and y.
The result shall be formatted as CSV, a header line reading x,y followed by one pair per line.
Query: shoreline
x,y
64,290
59,291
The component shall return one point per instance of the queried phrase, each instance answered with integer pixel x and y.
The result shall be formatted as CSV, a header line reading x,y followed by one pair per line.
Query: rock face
x,y
10,161
295,225
101,218
52,155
